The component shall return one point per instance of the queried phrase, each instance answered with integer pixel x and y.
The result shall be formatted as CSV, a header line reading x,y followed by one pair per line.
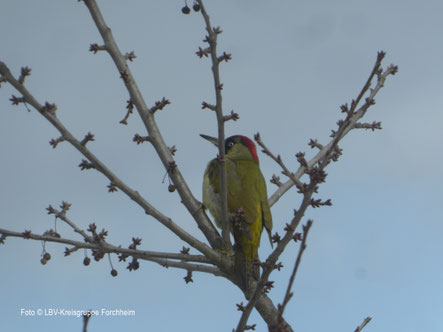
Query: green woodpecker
x,y
248,207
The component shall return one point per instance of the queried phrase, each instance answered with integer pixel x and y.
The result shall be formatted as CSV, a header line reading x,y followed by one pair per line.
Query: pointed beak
x,y
211,139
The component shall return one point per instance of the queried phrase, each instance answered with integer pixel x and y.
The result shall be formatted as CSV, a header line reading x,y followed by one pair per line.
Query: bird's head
x,y
237,147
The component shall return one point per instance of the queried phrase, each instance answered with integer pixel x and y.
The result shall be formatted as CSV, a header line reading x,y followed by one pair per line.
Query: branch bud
x,y
276,180
130,108
96,48
112,188
224,57
54,142
159,105
50,108
316,203
130,56
16,100
25,71
140,139
85,165
203,52
88,138
233,116
124,76
173,149
188,277
206,105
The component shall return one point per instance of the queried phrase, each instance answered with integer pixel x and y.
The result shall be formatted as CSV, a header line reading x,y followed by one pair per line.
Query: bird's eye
x,y
230,144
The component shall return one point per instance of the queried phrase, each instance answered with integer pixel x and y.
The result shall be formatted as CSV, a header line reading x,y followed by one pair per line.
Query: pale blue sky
x,y
376,252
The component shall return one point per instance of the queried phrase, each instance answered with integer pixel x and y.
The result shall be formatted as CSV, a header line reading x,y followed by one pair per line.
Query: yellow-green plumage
x,y
248,205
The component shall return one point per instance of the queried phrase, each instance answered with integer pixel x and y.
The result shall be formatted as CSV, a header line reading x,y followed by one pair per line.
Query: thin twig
x,y
86,318
278,160
302,248
357,115
365,322
348,124
76,229
211,39
189,267
165,259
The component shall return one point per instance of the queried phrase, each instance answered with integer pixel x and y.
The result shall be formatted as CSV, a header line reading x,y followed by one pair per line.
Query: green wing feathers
x,y
265,208
246,193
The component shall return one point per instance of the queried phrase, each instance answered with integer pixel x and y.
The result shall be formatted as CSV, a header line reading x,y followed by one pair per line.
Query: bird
x,y
248,208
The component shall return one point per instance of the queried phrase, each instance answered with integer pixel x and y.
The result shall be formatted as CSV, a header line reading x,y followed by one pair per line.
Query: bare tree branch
x,y
233,116
194,207
356,115
372,126
211,39
302,248
165,259
130,110
322,159
62,216
48,111
279,161
86,318
365,322
190,267
106,247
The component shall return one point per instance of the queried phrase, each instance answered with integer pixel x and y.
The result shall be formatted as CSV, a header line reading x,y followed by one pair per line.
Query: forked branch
x,y
353,115
49,112
191,203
